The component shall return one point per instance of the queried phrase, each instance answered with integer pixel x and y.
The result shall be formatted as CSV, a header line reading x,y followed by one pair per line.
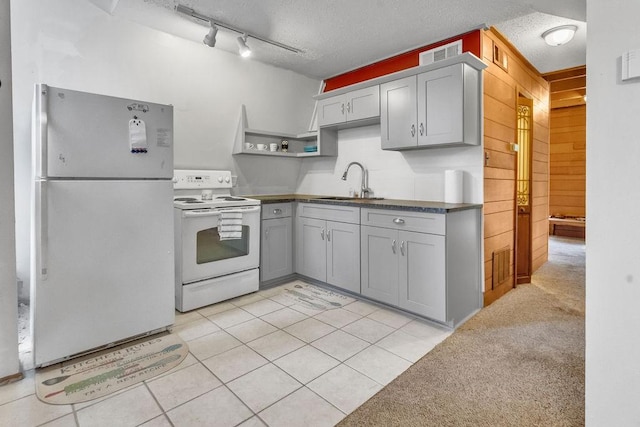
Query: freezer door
x,y
102,264
83,135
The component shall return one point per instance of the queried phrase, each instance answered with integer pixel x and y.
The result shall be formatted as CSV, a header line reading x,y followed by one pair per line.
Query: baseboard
x,y
11,378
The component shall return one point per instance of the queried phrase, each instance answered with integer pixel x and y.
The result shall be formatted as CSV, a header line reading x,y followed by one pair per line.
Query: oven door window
x,y
210,248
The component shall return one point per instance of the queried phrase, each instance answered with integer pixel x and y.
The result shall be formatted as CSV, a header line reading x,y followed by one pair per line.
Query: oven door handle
x,y
217,212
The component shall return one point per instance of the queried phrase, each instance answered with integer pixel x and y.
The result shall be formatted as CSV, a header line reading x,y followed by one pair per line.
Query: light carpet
x,y
98,375
518,362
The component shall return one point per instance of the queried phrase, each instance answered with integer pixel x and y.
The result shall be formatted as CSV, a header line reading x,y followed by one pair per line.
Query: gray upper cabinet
x,y
276,245
437,108
355,105
398,100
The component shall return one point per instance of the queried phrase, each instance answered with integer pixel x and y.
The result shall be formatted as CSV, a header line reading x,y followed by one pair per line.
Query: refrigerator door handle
x,y
42,231
42,94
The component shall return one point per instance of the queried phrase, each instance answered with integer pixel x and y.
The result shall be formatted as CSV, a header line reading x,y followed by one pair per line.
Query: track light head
x,y
243,49
210,38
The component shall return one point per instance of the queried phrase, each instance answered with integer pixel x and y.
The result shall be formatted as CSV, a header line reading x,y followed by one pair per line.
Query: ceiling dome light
x,y
210,38
243,49
559,35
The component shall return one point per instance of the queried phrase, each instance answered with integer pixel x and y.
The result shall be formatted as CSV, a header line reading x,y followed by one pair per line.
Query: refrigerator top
x,y
84,135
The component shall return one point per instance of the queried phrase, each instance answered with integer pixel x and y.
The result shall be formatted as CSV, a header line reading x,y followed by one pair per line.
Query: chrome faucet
x,y
364,190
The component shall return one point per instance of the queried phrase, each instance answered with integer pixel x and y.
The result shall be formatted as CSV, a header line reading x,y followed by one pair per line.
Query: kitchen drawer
x,y
405,220
329,212
276,210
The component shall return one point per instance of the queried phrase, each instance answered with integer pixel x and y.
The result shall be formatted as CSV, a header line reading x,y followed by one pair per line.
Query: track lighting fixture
x,y
243,49
210,38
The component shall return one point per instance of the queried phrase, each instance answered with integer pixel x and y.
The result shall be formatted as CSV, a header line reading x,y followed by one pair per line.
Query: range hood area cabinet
x,y
433,105
326,143
433,109
350,107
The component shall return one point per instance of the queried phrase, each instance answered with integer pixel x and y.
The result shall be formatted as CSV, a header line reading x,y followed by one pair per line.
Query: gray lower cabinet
x,y
326,250
276,244
427,264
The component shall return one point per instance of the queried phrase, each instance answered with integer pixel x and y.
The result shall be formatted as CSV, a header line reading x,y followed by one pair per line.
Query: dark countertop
x,y
407,205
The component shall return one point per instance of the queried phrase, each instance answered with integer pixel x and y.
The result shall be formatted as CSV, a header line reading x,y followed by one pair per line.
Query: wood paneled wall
x,y
567,178
501,89
567,175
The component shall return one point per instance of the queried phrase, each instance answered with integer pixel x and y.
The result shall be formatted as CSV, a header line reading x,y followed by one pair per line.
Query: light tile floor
x,y
256,360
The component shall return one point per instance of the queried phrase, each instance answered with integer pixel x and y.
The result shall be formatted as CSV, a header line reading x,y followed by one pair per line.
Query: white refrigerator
x,y
102,262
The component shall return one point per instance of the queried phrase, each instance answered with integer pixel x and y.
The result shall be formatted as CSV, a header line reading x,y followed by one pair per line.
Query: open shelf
x,y
297,143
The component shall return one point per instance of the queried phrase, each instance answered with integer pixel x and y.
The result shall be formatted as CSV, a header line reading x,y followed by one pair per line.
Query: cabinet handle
x,y
398,221
328,235
413,130
393,246
266,233
402,247
277,211
322,234
348,107
342,109
421,129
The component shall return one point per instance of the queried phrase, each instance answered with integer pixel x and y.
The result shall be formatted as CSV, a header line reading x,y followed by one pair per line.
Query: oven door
x,y
205,256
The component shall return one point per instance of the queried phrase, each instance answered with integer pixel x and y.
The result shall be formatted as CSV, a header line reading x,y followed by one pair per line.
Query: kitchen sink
x,y
336,198
348,198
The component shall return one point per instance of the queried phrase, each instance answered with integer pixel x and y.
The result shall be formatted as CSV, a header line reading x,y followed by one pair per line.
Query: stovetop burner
x,y
184,199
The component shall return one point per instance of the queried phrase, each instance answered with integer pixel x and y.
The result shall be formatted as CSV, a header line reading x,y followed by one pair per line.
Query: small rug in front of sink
x,y
97,375
313,297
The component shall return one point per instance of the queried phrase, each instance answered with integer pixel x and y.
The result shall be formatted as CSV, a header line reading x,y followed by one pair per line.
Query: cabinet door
x,y
276,249
363,103
331,111
422,279
398,113
379,264
343,255
440,106
311,249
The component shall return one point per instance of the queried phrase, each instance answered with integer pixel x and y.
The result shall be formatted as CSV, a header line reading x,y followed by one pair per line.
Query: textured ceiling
x,y
340,35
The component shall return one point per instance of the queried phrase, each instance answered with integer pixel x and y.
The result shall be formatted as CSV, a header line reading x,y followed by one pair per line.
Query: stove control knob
x,y
220,179
227,179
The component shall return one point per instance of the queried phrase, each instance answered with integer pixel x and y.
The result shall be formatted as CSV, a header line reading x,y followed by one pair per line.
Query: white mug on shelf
x,y
273,146
261,147
249,146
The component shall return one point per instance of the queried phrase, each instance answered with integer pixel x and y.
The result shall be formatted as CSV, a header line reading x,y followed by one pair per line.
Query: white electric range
x,y
217,238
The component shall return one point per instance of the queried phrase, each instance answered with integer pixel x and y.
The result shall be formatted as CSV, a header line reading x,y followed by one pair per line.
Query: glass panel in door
x,y
210,248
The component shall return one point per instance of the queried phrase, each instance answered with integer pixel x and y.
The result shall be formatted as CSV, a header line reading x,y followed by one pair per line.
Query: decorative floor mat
x,y
91,377
313,297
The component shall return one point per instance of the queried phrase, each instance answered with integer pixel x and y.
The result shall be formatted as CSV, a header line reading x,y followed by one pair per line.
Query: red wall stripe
x,y
470,43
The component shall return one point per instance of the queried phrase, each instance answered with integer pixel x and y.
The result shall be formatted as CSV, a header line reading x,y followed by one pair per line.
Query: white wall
x,y
613,207
76,45
417,174
8,290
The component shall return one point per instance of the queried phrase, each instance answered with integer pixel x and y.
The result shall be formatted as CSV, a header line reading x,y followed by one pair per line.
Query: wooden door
x,y
523,190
